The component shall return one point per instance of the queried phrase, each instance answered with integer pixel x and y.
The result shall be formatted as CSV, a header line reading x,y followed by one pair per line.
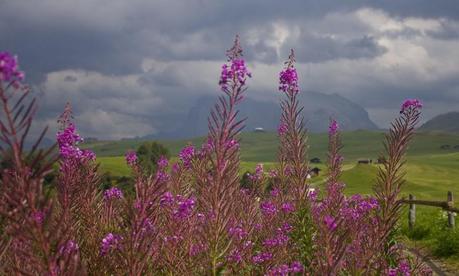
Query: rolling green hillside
x,y
444,122
262,147
431,171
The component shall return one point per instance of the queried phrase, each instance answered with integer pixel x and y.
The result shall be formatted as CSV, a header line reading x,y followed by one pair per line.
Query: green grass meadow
x,y
430,170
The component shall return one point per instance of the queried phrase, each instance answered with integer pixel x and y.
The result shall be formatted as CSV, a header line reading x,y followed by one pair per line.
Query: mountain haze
x,y
318,108
447,122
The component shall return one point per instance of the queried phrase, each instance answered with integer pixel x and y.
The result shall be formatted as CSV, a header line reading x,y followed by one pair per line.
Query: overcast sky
x,y
125,63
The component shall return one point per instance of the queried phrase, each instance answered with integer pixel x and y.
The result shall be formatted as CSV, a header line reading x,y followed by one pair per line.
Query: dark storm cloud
x,y
93,53
320,49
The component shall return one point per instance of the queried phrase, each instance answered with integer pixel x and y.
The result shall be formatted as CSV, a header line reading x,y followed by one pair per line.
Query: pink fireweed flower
x,y
208,146
296,267
184,208
333,128
262,257
288,170
131,158
68,139
38,217
286,228
162,162
237,72
287,207
258,175
166,199
275,192
279,240
330,222
282,129
281,270
9,70
237,232
113,193
175,168
284,269
234,256
410,103
186,155
69,247
162,176
146,226
232,144
109,243
268,208
288,80
272,173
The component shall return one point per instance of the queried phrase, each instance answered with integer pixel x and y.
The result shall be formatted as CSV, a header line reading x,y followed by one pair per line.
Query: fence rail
x,y
447,205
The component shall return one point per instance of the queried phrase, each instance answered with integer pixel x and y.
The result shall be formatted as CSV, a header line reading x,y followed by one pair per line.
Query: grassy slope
x,y
431,172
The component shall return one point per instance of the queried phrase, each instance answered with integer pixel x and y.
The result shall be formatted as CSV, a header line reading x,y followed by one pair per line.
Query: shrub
x,y
149,153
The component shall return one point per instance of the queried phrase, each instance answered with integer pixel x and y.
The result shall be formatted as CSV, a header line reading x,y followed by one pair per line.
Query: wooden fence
x,y
447,205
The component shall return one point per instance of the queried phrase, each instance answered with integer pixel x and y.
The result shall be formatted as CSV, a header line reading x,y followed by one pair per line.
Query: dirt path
x,y
438,267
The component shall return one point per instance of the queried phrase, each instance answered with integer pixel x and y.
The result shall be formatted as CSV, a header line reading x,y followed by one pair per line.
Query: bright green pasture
x,y
431,171
428,176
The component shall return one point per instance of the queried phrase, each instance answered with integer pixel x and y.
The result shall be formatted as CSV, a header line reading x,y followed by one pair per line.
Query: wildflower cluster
x,y
109,243
9,70
69,247
192,217
410,103
288,79
186,156
258,175
68,141
113,193
333,128
282,129
131,158
237,71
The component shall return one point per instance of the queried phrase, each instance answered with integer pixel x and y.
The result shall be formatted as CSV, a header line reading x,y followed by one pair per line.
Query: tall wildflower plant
x,y
34,240
339,221
293,138
219,190
390,177
77,188
291,176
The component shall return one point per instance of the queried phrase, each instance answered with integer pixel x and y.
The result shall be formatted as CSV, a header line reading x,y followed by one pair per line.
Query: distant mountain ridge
x,y
447,122
318,108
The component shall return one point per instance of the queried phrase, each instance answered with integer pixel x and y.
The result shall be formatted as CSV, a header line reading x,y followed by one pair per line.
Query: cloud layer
x,y
132,68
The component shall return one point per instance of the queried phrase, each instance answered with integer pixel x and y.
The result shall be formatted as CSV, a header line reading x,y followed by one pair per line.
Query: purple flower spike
x,y
268,208
70,247
330,222
9,70
282,129
113,193
186,155
236,72
288,80
411,103
38,217
163,162
333,128
131,158
109,243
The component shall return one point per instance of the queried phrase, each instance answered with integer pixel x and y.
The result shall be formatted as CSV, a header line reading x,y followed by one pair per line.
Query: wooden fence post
x,y
450,201
411,213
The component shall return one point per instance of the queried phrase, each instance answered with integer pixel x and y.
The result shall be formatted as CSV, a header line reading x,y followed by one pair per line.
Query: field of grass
x,y
431,171
262,147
